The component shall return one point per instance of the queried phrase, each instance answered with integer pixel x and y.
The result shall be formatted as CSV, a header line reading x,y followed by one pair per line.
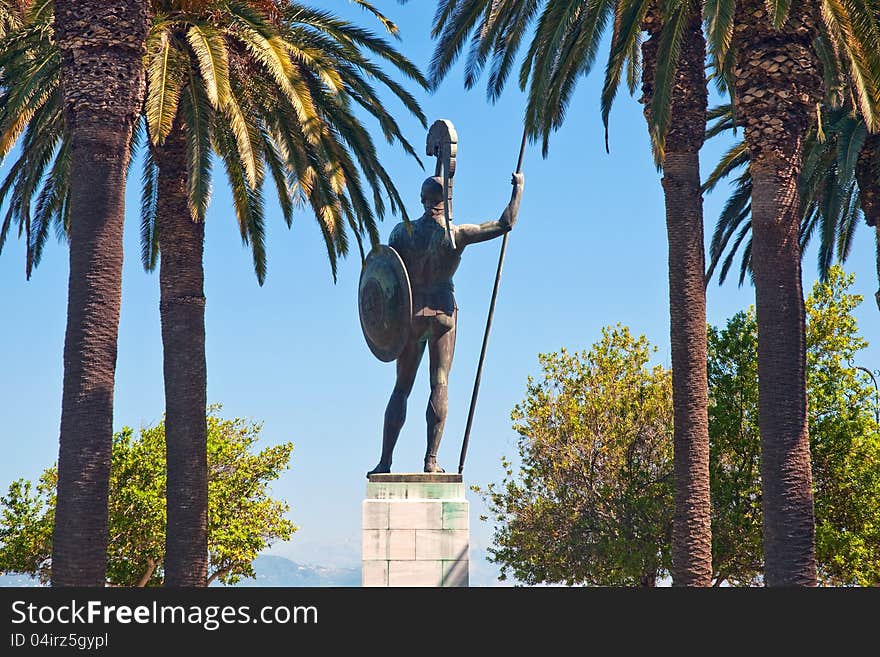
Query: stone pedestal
x,y
416,530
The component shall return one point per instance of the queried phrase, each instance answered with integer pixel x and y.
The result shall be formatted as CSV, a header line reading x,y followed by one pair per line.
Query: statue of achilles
x,y
431,252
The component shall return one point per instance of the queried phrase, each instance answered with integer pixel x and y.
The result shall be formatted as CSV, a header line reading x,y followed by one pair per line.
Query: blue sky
x,y
589,250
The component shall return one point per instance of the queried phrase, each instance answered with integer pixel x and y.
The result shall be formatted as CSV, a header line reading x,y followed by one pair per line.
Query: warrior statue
x,y
431,251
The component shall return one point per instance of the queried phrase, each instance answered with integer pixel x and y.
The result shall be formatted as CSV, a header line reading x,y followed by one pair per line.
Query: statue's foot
x,y
431,466
382,468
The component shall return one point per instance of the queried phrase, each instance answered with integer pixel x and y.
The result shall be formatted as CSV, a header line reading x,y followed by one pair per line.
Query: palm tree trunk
x,y
692,530
868,179
877,260
182,309
777,86
102,46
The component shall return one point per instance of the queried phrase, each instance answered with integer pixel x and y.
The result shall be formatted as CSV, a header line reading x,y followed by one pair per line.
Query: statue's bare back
x,y
431,254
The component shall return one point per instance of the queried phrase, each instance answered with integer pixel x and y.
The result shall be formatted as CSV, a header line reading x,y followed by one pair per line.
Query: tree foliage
x,y
243,518
549,46
844,443
591,501
832,196
735,449
277,92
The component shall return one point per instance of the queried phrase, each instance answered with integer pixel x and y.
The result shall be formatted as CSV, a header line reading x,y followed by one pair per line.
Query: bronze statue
x,y
431,249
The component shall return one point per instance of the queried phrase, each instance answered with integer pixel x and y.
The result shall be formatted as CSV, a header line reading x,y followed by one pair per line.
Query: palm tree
x,y
101,46
867,175
267,88
839,185
769,52
564,46
677,154
242,90
12,15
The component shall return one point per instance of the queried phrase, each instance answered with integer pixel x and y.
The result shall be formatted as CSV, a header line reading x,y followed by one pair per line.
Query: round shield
x,y
385,303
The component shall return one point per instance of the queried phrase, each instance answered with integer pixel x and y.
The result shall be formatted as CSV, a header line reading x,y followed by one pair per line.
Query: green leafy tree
x,y
734,451
844,443
846,451
243,518
26,525
592,501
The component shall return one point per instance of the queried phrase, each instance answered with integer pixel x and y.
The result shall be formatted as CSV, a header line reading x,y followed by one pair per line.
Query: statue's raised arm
x,y
471,233
406,298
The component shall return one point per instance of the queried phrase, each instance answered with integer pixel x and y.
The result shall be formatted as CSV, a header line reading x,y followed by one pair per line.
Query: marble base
x,y
416,530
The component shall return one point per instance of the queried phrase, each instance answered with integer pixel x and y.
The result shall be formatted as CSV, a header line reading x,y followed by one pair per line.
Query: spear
x,y
476,392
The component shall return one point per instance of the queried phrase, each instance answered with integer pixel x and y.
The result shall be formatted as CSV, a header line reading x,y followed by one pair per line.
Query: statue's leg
x,y
395,412
441,348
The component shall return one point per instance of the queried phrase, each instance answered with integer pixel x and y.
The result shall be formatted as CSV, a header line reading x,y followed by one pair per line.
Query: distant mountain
x,y
278,571
271,571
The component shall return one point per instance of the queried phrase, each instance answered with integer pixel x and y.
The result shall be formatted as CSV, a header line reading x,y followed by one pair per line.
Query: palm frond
x,y
244,130
778,11
718,16
720,119
199,116
452,28
247,200
279,88
625,53
209,48
735,218
50,205
387,22
149,200
573,58
165,66
852,28
275,161
38,81
668,54
736,157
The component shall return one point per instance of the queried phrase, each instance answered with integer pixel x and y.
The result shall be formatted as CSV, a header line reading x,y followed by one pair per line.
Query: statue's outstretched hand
x,y
518,180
